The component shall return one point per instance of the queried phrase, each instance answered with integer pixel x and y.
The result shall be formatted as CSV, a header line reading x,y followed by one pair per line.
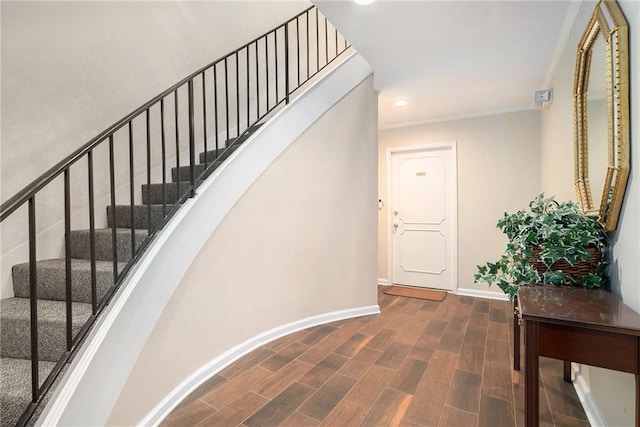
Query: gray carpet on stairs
x,y
15,336
15,387
169,193
140,215
80,243
51,277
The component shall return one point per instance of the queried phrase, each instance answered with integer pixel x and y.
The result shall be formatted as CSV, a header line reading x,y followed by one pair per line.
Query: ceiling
x,y
453,59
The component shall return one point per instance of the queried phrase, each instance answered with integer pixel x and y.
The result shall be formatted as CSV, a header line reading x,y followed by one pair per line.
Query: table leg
x,y
516,337
531,373
566,371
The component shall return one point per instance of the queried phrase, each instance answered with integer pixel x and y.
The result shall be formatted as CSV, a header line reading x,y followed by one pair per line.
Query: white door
x,y
423,216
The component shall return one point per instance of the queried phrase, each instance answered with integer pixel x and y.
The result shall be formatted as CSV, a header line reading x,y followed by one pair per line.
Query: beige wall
x,y
300,242
613,392
498,171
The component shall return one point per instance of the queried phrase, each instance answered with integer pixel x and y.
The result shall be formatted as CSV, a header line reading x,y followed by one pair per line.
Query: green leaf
x,y
554,277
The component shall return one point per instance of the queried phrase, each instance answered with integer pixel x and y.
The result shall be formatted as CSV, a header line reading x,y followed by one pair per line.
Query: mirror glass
x,y
597,121
601,114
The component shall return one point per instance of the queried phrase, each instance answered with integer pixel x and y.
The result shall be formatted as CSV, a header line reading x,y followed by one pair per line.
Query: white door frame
x,y
452,188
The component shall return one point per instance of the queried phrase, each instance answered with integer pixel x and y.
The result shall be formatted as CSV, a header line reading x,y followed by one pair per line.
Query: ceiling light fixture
x,y
363,2
401,103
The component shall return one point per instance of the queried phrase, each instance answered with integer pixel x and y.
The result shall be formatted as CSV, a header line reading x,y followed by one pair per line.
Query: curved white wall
x,y
273,238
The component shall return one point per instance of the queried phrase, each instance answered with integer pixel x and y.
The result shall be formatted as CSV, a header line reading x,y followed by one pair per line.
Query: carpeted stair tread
x,y
221,154
183,173
140,214
52,279
80,243
15,387
154,192
15,341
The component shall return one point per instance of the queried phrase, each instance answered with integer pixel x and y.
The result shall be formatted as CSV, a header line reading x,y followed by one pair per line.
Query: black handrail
x,y
274,73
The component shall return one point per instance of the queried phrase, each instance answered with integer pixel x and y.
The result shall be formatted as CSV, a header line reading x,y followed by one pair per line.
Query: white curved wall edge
x,y
190,384
128,321
481,294
589,404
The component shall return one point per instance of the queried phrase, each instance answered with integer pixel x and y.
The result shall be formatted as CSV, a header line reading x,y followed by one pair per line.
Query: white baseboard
x,y
586,398
481,294
190,384
383,282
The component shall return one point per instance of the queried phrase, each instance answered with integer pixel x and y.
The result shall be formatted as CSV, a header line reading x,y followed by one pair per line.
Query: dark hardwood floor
x,y
418,363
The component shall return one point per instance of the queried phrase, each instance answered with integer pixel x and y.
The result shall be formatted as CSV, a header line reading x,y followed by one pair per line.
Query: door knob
x,y
395,212
395,225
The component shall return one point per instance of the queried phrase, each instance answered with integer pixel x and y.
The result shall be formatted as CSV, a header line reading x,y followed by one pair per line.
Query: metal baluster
x,y
148,126
226,97
266,56
275,53
215,106
67,258
204,117
33,301
326,41
92,235
175,102
131,190
248,92
317,42
298,47
286,62
237,94
308,38
257,84
192,142
164,160
112,189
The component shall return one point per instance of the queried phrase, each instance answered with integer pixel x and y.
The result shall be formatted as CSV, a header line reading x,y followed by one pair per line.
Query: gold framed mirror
x,y
601,114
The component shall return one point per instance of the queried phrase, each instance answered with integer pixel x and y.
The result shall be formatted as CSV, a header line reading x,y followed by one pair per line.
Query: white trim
x,y
383,282
196,379
151,283
586,398
453,186
563,38
457,117
481,294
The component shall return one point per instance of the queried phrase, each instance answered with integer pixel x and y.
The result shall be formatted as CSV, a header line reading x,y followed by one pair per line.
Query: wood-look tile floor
x,y
418,363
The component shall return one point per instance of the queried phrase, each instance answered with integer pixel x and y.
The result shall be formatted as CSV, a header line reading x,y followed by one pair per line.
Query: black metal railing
x,y
213,109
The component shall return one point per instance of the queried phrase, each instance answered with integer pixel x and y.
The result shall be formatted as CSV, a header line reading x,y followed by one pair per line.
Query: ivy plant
x,y
556,231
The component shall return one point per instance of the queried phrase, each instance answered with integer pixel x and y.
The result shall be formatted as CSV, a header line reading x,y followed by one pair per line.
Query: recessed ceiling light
x,y
401,103
364,2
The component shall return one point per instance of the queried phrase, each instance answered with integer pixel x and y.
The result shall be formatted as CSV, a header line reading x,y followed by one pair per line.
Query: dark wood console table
x,y
586,326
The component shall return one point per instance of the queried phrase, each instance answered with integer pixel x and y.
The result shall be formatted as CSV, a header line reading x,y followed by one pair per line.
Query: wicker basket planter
x,y
576,272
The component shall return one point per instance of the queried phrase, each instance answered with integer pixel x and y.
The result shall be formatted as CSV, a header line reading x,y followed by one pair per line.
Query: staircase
x,y
61,298
15,351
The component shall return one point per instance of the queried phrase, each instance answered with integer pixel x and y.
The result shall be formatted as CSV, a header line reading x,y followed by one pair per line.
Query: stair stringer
x,y
96,377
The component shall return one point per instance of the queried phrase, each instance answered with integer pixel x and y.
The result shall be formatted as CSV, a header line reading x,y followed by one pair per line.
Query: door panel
x,y
414,244
422,209
421,200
